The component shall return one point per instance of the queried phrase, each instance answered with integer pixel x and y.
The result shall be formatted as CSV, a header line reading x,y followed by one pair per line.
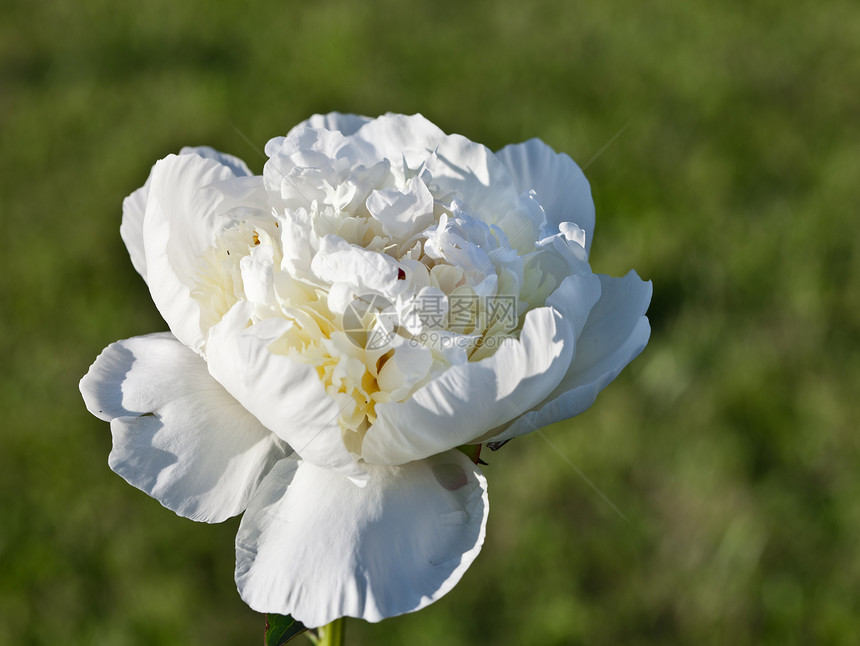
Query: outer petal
x,y
614,334
458,406
177,434
560,184
236,165
346,124
615,322
575,298
184,215
315,547
131,228
397,137
285,395
134,206
472,170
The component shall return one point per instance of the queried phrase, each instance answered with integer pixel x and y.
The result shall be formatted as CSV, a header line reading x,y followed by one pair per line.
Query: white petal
x,y
311,165
472,173
468,399
560,184
134,206
238,167
346,124
305,146
184,215
314,546
402,212
409,364
575,298
285,395
560,255
365,271
131,229
612,325
616,333
257,271
397,137
177,434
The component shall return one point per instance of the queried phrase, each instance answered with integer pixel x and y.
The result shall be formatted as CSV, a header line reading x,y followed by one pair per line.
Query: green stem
x,y
332,634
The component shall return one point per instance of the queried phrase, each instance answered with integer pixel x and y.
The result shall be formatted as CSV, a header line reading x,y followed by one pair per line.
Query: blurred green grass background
x,y
730,444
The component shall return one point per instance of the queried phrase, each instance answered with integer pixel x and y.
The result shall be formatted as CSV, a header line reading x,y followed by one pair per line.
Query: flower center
x,y
385,287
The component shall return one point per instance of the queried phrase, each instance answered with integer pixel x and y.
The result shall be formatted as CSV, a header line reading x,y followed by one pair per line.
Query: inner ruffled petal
x,y
386,270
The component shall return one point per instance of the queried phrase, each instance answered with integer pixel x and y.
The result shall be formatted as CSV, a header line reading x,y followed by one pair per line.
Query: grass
x,y
731,444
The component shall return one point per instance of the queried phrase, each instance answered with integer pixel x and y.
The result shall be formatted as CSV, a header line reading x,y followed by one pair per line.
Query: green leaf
x,y
281,628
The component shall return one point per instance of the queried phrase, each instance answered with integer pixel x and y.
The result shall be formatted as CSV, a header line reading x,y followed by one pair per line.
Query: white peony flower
x,y
381,295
